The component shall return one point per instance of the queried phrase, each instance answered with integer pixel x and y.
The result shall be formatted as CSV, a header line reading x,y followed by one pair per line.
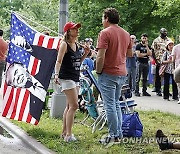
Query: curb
x,y
31,142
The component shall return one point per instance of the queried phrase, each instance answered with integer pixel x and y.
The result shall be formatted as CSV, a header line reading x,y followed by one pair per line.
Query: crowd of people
x,y
118,58
161,52
145,57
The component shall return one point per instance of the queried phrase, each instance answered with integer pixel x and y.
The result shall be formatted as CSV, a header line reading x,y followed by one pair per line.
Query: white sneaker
x,y
70,138
179,101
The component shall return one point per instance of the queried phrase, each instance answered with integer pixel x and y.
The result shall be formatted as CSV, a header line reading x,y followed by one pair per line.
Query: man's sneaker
x,y
159,93
175,99
166,99
146,94
70,138
179,101
137,94
109,140
162,140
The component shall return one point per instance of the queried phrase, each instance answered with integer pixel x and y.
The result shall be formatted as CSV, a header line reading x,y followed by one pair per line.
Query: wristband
x,y
56,74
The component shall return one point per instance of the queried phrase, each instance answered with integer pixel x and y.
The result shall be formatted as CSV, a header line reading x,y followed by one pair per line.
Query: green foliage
x,y
48,132
43,12
169,11
5,8
137,16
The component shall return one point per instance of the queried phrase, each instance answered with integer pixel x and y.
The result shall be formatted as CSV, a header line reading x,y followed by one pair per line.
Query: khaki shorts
x,y
68,84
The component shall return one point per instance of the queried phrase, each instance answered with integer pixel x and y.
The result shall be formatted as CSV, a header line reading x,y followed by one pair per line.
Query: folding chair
x,y
102,119
88,98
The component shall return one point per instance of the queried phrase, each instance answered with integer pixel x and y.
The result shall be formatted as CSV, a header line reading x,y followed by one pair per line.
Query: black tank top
x,y
70,67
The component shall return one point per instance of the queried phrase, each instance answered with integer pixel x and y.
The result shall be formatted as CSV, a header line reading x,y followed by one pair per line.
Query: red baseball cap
x,y
71,25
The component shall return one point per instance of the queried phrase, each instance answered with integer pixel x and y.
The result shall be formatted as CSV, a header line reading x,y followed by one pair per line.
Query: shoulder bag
x,y
162,68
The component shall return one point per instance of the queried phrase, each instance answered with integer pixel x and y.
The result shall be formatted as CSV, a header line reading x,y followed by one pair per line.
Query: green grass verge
x,y
48,133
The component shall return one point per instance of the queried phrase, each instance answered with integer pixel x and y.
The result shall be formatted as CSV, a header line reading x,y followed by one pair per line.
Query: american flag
x,y
17,101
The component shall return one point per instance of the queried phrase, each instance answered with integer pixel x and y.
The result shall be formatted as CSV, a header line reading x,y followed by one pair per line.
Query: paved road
x,y
157,103
11,144
14,146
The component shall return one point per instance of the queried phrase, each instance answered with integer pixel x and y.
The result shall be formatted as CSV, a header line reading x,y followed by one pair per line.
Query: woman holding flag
x,y
67,73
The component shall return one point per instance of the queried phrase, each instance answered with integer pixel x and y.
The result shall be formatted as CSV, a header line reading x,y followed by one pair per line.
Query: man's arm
x,y
100,60
130,53
149,51
139,54
155,47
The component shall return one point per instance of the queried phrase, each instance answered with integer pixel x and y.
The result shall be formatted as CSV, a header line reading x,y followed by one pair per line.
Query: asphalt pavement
x,y
155,102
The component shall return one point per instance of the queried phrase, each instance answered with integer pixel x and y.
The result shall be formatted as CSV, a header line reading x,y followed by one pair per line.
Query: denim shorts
x,y
68,84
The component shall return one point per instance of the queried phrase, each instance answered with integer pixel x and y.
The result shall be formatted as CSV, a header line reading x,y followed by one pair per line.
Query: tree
x,y
5,8
44,13
137,17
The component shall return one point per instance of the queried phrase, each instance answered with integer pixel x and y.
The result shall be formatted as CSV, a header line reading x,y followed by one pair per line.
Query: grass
x,y
49,129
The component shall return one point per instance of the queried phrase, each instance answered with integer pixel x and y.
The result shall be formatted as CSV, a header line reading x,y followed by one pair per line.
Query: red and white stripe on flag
x,y
16,101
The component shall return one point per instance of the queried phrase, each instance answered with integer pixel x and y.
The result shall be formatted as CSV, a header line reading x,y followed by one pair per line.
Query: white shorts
x,y
68,84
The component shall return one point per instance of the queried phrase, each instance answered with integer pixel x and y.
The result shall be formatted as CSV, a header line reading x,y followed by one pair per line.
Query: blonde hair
x,y
66,36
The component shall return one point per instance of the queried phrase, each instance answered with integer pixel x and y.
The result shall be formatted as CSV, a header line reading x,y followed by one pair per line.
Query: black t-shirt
x,y
142,49
70,67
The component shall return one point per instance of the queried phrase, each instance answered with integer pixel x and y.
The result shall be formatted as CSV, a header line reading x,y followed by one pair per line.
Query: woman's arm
x,y
166,59
61,53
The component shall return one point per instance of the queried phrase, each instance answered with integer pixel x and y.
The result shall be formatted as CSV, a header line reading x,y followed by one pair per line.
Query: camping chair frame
x,y
102,119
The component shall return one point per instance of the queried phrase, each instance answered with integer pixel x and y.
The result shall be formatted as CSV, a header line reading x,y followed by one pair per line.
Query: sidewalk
x,y
28,140
156,103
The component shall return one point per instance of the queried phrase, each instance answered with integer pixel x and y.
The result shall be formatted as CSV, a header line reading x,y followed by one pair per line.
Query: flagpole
x,y
63,15
57,110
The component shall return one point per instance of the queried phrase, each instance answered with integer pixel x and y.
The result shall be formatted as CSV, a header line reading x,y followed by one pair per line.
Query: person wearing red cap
x,y
67,73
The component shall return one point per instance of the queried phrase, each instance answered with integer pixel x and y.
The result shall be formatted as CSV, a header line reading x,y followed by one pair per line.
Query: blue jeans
x,y
110,87
131,77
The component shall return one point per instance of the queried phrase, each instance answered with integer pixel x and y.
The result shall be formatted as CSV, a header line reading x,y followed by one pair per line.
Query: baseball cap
x,y
90,39
163,30
87,40
71,25
133,36
168,42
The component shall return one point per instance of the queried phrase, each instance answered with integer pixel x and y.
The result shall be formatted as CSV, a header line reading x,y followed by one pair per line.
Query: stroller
x,y
87,98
